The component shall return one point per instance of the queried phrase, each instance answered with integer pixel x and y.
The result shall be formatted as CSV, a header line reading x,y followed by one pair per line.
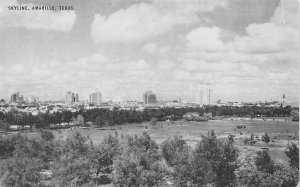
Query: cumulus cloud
x,y
143,21
35,19
266,38
170,47
205,39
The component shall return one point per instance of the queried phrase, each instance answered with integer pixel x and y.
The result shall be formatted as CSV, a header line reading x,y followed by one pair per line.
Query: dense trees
x,y
211,162
139,161
139,164
262,171
102,117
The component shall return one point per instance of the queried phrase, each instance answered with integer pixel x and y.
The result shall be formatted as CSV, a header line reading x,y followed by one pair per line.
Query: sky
x,y
246,50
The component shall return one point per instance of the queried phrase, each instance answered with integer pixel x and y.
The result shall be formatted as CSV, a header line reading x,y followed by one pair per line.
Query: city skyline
x,y
202,97
127,47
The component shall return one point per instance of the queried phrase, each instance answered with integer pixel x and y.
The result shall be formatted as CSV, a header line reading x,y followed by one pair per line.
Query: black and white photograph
x,y
149,93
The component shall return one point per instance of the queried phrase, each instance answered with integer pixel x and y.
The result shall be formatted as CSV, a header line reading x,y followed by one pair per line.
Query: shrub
x,y
212,162
248,174
46,135
139,164
23,172
265,138
7,146
175,150
263,162
74,167
249,141
73,172
292,152
101,158
153,122
194,117
230,138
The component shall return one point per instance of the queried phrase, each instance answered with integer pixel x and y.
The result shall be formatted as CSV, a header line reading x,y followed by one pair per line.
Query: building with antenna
x,y
203,94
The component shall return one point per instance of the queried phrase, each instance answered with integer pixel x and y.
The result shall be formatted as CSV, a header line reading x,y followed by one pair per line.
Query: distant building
x,y
203,94
149,98
71,97
76,97
14,97
21,98
32,99
96,98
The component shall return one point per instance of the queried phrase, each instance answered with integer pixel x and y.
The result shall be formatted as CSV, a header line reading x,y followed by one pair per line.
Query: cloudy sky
x,y
247,50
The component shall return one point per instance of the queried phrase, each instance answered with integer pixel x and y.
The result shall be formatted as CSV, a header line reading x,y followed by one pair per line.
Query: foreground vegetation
x,y
139,161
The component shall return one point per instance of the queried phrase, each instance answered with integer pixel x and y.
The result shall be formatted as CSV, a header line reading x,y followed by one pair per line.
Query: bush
x,y
74,167
265,138
212,162
247,174
231,138
47,135
175,150
194,117
153,122
23,172
139,164
177,155
263,162
249,141
101,158
292,151
73,172
7,146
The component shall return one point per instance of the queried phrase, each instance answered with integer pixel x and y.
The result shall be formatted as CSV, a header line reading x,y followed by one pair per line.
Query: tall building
x,y
14,97
96,98
72,97
76,97
203,94
149,98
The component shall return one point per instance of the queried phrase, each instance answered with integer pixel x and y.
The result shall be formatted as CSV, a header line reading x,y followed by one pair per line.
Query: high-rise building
x,y
203,94
76,97
21,98
149,98
71,97
14,97
96,98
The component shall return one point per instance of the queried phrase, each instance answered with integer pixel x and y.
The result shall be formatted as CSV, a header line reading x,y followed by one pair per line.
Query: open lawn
x,y
279,132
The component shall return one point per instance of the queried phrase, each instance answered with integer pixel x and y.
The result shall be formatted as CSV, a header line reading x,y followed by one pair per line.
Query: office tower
x,y
21,99
71,97
96,98
14,97
149,98
76,97
203,94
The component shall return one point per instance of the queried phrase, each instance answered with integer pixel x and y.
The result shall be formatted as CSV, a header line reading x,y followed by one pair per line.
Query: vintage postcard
x,y
149,93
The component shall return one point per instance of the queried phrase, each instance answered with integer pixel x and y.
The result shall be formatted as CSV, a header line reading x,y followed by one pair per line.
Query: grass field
x,y
279,132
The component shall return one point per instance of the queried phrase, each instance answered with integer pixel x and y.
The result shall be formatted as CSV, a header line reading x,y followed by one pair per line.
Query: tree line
x,y
115,116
